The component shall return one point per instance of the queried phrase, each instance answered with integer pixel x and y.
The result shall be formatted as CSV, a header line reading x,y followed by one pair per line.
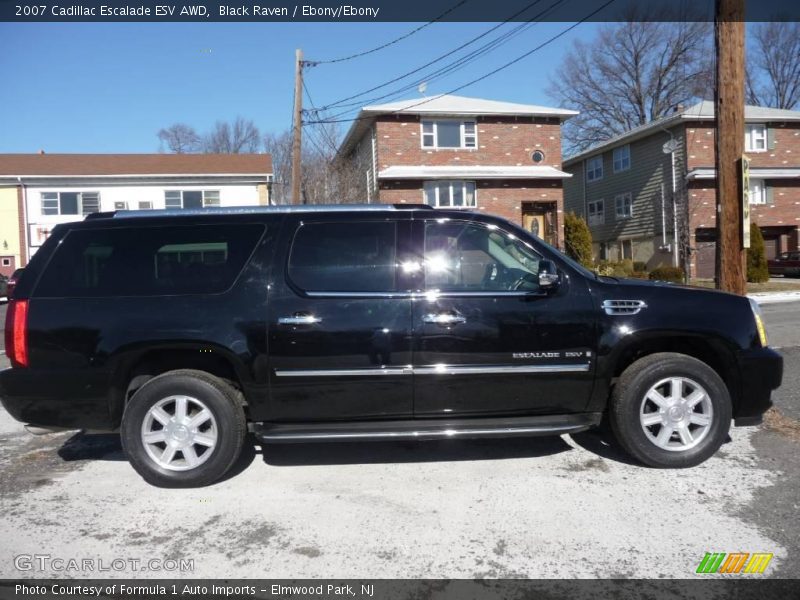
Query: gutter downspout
x,y
663,219
24,245
675,260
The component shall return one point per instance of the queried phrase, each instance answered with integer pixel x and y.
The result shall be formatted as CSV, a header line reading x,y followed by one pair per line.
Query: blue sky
x,y
110,87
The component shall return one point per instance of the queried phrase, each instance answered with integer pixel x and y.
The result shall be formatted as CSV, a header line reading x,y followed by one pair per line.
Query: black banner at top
x,y
271,11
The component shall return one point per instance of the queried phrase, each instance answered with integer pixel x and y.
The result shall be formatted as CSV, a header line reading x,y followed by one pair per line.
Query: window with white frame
x,y
622,158
145,205
70,203
191,198
449,134
597,212
624,206
594,168
758,191
450,194
755,137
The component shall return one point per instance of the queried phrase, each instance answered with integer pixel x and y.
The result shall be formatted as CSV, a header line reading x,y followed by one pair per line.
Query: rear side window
x,y
344,257
148,261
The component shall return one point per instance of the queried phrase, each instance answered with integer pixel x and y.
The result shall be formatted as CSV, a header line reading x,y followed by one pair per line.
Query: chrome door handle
x,y
299,319
444,318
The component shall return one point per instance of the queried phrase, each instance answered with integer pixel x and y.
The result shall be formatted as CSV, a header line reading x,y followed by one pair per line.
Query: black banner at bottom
x,y
728,588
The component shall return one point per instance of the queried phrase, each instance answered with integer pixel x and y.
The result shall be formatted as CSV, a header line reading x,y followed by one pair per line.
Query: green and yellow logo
x,y
736,562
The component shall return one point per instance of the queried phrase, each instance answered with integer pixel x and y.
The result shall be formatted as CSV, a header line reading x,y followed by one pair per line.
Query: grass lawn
x,y
788,285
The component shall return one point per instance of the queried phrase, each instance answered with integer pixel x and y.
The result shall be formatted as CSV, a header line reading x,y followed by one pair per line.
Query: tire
x,y
672,435
199,443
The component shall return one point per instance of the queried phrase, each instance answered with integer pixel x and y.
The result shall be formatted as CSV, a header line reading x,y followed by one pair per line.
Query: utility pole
x,y
298,127
729,117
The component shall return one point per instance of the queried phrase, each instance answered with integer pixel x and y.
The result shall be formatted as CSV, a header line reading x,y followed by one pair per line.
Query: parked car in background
x,y
185,329
12,282
786,264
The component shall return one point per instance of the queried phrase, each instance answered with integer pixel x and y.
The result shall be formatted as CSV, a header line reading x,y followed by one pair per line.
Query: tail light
x,y
17,333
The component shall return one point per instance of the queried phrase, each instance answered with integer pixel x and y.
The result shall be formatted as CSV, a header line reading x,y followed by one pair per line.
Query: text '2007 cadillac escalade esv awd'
x,y
184,330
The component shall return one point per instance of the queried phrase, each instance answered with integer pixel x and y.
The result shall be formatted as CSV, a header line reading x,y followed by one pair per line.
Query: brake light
x,y
17,333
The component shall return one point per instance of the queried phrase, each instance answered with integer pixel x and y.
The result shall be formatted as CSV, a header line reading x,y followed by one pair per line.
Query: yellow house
x,y
10,244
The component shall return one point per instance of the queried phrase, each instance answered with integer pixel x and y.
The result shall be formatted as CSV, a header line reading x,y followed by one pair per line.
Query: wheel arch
x,y
136,367
714,351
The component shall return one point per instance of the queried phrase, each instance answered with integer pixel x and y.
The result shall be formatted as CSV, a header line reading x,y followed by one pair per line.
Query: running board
x,y
424,429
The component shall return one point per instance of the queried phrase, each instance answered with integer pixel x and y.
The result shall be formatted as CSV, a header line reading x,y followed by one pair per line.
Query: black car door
x,y
488,340
339,320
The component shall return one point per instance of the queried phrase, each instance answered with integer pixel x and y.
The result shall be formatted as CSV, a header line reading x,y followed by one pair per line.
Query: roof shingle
x,y
134,164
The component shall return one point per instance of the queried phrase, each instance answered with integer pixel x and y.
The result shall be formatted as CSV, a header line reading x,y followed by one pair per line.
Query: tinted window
x,y
69,203
192,199
149,261
344,257
465,257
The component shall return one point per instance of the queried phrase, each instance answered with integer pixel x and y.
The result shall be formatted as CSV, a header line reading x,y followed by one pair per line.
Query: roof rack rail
x,y
244,210
100,215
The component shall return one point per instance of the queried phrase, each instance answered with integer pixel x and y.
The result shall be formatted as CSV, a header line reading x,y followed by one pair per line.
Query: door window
x,y
344,257
471,257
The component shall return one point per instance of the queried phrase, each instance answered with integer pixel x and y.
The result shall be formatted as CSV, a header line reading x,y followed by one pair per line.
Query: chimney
x,y
680,108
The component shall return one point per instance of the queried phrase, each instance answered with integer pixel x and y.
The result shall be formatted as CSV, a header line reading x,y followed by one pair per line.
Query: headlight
x,y
762,332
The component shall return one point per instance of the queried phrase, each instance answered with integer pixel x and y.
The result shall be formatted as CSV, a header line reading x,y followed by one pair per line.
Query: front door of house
x,y
540,221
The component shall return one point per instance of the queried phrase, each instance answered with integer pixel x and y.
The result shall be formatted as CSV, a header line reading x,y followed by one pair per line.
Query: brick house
x,y
39,191
626,188
457,152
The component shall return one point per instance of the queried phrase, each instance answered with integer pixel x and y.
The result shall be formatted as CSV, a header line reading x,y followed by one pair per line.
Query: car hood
x,y
646,289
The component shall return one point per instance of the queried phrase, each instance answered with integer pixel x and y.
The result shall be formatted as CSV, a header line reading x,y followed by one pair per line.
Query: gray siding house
x,y
625,191
649,193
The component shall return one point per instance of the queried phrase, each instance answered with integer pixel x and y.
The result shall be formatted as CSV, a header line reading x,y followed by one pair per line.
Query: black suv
x,y
186,329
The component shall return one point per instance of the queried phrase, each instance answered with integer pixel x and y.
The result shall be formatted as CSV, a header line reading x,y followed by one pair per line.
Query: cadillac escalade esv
x,y
184,330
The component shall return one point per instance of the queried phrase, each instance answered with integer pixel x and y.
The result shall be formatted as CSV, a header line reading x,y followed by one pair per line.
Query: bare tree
x,y
326,178
241,136
632,73
279,145
180,138
773,69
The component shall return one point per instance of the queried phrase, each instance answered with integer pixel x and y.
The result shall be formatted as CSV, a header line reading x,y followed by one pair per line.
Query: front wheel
x,y
183,429
670,410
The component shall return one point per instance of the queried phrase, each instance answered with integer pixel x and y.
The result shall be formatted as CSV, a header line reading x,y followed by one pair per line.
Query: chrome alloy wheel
x,y
676,414
179,433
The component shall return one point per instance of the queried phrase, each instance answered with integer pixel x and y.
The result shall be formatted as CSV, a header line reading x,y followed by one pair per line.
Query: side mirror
x,y
548,276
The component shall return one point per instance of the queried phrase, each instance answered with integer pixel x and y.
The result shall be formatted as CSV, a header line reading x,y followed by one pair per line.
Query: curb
x,y
775,297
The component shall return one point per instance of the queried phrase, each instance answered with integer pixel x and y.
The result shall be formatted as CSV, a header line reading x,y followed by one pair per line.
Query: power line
x,y
457,64
432,62
325,133
316,144
387,44
485,75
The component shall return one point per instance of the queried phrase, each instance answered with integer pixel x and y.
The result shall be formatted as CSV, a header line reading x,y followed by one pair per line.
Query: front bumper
x,y
760,372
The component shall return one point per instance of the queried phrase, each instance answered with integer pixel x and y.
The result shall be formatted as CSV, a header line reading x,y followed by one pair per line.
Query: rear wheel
x,y
670,410
183,429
